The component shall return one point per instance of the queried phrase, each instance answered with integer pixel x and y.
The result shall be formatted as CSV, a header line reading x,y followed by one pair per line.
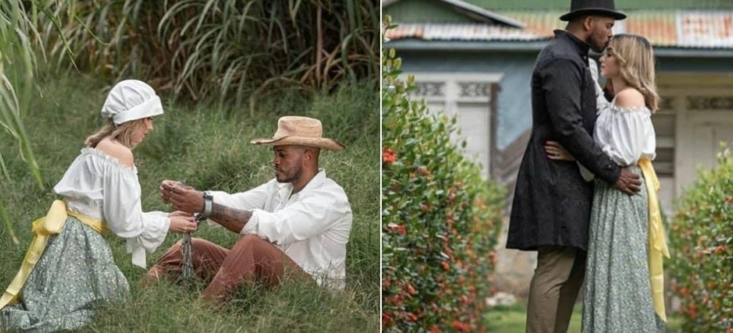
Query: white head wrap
x,y
131,100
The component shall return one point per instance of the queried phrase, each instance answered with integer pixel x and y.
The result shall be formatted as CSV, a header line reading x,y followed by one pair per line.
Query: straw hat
x,y
299,131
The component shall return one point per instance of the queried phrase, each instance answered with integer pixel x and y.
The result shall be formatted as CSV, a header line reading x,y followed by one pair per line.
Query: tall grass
x,y
17,69
194,48
208,148
230,49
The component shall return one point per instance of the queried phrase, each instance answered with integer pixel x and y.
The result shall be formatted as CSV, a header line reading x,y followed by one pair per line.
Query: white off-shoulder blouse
x,y
98,186
626,134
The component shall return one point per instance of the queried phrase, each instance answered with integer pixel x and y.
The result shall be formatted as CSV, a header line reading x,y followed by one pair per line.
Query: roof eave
x,y
474,12
537,45
485,13
452,45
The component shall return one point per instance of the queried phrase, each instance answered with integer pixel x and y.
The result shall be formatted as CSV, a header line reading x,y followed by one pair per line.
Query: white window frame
x,y
453,88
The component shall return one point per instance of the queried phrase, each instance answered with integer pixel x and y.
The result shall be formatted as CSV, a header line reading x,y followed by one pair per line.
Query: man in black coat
x,y
552,203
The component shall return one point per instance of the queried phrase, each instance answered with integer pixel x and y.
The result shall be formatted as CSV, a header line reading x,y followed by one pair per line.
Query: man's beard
x,y
292,177
595,45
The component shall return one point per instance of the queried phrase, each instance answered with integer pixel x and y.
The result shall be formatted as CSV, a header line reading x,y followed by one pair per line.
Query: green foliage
x,y
440,219
235,50
702,261
226,49
209,148
17,69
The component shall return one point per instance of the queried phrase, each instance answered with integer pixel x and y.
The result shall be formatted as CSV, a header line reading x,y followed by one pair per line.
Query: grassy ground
x,y
511,319
208,148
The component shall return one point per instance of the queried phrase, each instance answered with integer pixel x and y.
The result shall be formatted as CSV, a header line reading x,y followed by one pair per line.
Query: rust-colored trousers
x,y
250,260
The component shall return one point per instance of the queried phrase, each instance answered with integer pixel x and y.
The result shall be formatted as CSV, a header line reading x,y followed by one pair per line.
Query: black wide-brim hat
x,y
592,7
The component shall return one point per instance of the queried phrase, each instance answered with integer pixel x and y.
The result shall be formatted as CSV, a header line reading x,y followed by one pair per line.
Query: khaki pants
x,y
554,288
250,260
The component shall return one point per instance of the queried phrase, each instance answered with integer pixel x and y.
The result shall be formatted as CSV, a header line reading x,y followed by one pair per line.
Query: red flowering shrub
x,y
440,219
701,238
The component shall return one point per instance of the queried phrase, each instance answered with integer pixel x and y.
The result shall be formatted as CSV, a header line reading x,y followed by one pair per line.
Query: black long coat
x,y
552,201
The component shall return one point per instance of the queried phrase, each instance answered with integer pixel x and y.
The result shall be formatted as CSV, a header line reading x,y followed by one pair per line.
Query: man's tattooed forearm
x,y
230,218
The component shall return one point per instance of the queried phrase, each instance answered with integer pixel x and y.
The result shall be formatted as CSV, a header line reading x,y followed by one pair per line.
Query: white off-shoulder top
x,y
98,186
626,134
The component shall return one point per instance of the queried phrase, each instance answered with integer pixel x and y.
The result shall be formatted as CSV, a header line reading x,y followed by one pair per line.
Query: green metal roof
x,y
620,4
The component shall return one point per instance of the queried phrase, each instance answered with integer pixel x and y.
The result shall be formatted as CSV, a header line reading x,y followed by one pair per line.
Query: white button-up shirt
x,y
312,226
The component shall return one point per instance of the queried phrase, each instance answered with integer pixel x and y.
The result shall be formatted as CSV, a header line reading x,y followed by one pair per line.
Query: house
x,y
474,59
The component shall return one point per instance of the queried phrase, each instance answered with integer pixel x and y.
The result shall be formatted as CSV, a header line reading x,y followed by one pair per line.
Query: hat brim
x,y
324,143
593,11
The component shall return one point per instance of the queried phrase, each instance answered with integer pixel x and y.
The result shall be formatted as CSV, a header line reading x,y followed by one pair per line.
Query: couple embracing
x,y
586,193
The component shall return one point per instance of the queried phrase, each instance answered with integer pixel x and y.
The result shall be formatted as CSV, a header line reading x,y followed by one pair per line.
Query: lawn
x,y
511,319
208,148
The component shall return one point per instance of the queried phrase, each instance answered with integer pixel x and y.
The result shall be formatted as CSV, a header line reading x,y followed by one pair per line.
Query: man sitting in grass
x,y
297,223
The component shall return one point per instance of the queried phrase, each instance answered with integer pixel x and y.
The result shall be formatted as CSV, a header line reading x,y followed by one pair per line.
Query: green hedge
x,y
440,219
702,262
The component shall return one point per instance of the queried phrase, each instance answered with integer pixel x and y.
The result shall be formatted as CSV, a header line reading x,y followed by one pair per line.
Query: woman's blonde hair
x,y
122,133
635,59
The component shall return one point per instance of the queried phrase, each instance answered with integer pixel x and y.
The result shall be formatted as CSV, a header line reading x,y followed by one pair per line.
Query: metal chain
x,y
187,252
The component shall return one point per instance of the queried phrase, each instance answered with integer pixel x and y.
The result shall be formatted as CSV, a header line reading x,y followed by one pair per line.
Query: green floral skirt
x,y
75,274
618,296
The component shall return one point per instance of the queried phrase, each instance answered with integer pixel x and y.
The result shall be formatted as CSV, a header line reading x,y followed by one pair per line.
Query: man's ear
x,y
588,23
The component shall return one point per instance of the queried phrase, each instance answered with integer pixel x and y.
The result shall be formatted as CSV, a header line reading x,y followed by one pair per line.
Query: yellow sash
x,y
43,228
657,242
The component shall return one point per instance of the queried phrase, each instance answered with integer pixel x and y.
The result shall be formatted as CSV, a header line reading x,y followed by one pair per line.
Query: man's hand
x,y
608,90
628,182
164,189
183,198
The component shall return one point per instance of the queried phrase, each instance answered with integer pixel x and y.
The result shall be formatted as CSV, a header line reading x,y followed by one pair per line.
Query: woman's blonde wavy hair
x,y
122,132
635,59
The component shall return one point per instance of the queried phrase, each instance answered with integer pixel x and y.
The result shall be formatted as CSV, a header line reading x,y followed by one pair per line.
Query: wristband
x,y
208,205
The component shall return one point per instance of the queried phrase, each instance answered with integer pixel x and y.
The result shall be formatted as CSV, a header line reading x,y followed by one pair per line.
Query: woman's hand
x,y
556,152
179,213
182,224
